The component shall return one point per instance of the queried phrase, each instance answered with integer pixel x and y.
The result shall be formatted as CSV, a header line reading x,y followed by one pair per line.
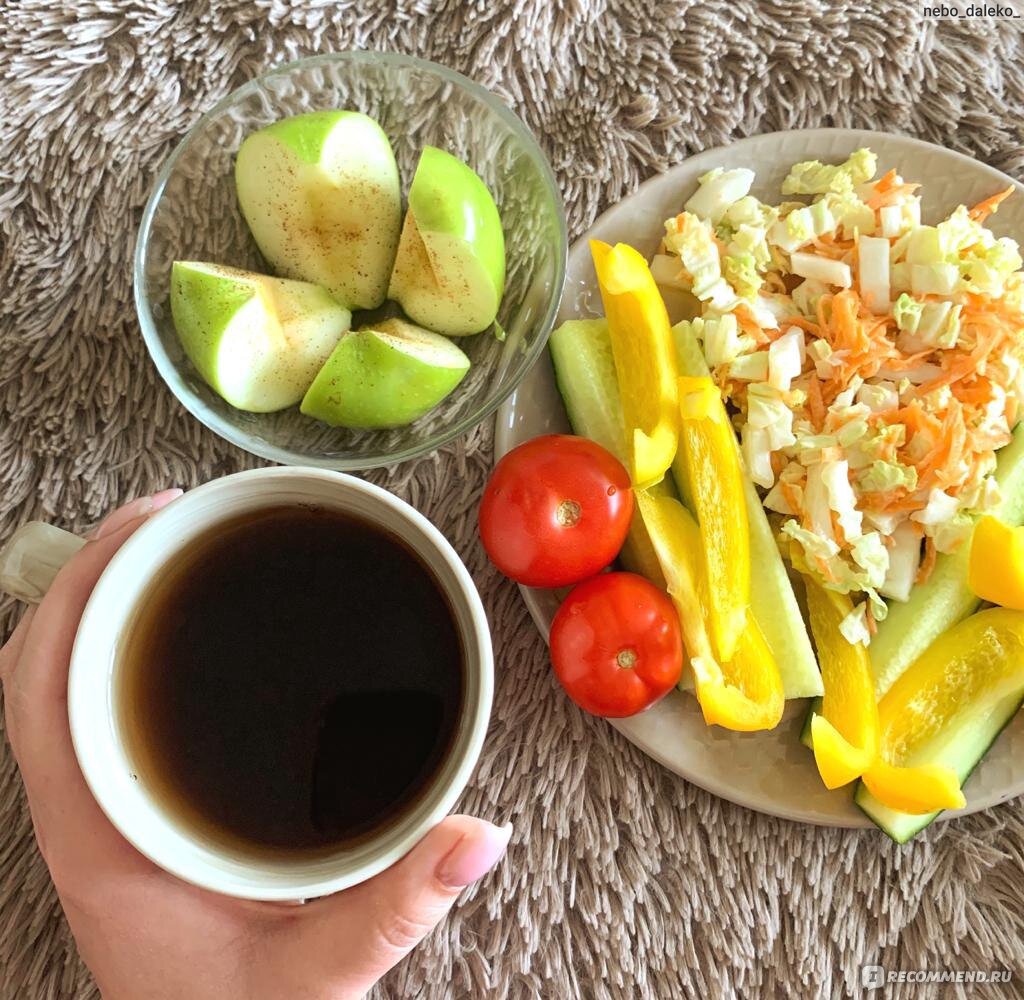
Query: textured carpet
x,y
622,880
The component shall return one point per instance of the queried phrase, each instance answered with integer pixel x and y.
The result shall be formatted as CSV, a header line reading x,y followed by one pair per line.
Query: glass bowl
x,y
193,214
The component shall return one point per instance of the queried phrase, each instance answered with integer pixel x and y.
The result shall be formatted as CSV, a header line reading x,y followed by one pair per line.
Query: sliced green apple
x,y
257,341
322,198
450,269
387,375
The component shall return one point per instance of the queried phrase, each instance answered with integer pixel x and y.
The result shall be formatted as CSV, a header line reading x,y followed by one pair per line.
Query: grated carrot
x,y
825,569
790,495
910,361
974,392
886,182
928,562
749,325
808,326
888,192
815,404
989,206
893,196
891,502
908,505
956,429
833,249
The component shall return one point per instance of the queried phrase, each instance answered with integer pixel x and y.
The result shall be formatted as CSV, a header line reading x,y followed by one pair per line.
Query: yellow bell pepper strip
x,y
845,734
974,664
995,570
772,600
645,359
915,790
708,447
745,693
839,761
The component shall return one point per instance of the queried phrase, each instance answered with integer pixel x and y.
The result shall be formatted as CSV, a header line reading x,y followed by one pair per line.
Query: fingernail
x,y
164,497
473,857
130,511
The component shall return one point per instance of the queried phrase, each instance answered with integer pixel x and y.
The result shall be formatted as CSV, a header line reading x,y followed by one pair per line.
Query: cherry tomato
x,y
616,645
555,511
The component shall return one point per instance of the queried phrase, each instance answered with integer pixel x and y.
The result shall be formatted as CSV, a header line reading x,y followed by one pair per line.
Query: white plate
x,y
770,772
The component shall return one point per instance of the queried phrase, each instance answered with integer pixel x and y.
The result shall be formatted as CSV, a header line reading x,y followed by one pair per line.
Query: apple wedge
x,y
387,375
322,198
449,273
257,341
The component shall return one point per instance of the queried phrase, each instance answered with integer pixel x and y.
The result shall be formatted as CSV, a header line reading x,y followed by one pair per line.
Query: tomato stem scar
x,y
626,659
568,513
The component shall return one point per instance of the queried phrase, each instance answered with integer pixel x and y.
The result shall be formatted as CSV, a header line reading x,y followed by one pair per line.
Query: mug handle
x,y
32,558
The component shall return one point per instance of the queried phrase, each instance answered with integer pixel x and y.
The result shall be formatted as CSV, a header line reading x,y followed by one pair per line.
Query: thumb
x,y
372,926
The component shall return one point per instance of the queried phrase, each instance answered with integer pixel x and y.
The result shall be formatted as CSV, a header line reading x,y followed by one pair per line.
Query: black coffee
x,y
292,681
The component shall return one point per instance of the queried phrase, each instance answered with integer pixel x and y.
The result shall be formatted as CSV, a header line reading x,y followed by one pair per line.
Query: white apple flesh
x,y
257,341
449,272
322,198
387,375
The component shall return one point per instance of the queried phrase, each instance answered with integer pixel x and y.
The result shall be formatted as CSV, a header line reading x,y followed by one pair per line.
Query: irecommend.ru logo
x,y
873,977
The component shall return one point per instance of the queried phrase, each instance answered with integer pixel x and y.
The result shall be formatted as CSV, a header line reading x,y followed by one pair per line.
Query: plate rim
x,y
503,429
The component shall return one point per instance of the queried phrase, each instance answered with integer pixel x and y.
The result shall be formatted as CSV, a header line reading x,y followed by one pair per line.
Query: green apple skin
x,y
385,376
449,272
322,198
257,341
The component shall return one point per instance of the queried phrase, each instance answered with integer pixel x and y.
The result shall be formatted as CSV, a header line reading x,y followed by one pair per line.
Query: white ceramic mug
x,y
92,690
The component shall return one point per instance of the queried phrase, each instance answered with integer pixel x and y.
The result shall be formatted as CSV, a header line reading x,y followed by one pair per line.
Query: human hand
x,y
148,936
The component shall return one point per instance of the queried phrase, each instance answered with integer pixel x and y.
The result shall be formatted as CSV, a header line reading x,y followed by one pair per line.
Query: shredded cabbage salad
x,y
873,363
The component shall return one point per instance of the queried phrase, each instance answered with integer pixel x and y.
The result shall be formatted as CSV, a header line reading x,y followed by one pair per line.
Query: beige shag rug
x,y
622,880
